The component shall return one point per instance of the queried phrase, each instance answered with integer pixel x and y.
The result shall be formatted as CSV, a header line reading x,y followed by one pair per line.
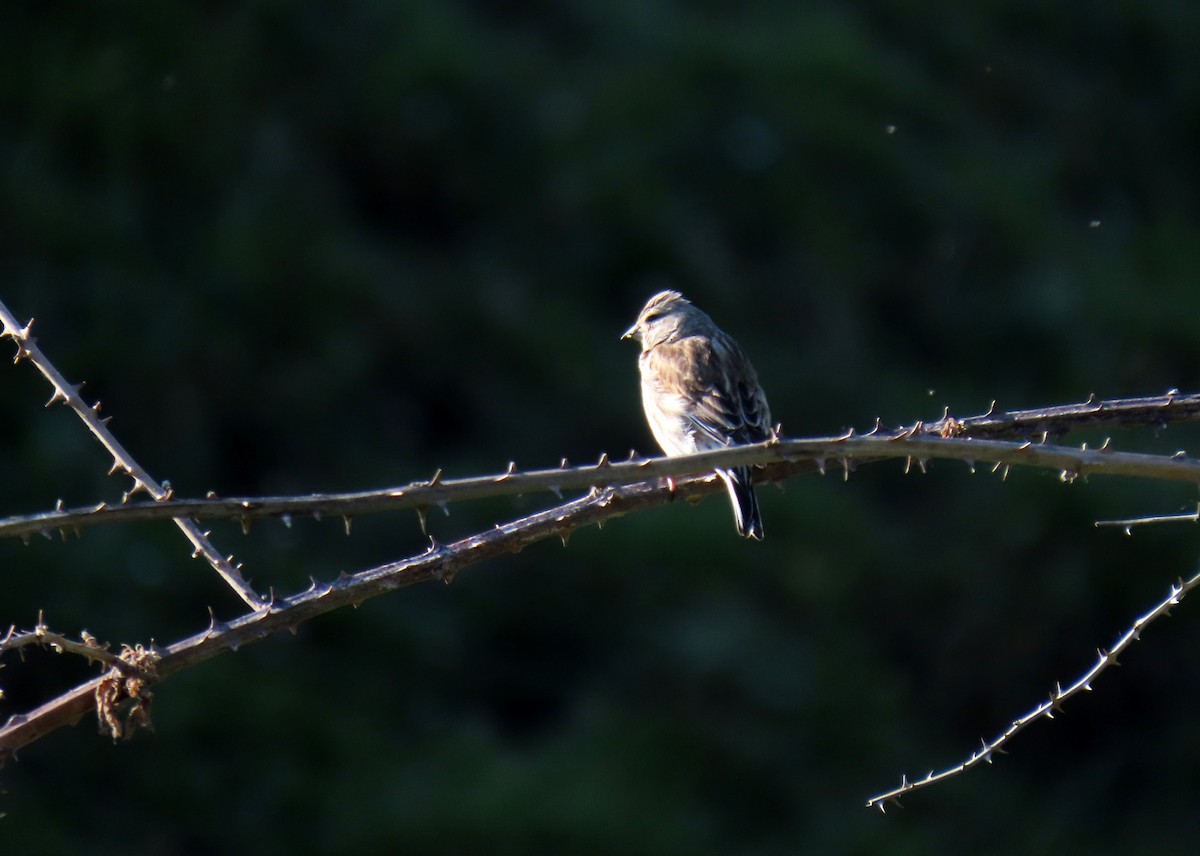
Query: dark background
x,y
297,248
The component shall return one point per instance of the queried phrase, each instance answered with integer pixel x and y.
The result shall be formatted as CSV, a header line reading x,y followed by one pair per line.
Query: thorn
x,y
346,521
845,469
565,537
287,519
908,465
970,465
245,525
923,464
1004,476
564,464
58,504
557,491
444,506
421,518
212,494
603,462
437,477
996,466
820,462
139,486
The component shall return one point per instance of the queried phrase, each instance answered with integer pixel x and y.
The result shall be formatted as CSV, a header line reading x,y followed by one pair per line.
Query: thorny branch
x,y
121,697
87,646
909,444
1057,697
69,394
438,562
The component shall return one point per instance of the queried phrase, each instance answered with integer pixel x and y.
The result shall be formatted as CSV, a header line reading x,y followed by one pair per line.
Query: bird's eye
x,y
653,316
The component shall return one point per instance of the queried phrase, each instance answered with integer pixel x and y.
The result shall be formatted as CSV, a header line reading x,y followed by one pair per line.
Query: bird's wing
x,y
716,388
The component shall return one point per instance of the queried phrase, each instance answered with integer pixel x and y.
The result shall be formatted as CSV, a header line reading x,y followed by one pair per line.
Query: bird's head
x,y
664,315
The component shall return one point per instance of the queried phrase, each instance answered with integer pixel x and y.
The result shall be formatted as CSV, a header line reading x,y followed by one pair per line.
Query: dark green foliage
x,y
302,246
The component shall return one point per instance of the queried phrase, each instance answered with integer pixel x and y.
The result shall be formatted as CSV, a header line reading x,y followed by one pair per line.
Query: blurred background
x,y
303,247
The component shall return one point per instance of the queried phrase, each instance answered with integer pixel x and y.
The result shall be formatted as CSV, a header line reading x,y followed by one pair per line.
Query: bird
x,y
700,393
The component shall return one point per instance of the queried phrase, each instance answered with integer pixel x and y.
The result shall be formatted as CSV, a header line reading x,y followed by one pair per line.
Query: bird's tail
x,y
746,516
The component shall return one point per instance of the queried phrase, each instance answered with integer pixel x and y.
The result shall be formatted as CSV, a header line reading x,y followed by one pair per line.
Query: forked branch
x,y
438,562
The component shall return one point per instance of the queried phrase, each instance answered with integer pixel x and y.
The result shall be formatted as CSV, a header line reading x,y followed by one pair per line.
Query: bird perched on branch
x,y
700,393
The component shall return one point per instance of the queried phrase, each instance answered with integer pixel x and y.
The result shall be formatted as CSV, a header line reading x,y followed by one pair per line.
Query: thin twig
x,y
41,635
1158,410
1058,696
1129,523
68,394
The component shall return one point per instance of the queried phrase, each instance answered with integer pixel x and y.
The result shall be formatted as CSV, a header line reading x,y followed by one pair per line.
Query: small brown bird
x,y
701,393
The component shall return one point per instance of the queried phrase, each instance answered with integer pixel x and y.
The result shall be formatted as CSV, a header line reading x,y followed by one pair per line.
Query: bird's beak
x,y
630,333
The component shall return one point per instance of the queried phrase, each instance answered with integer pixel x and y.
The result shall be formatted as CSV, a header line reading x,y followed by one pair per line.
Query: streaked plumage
x,y
700,392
